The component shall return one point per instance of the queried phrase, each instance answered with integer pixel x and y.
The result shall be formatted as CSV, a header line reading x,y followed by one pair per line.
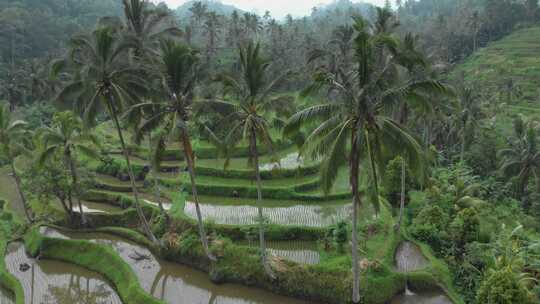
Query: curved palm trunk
x,y
262,242
21,194
354,180
75,181
188,154
402,200
140,213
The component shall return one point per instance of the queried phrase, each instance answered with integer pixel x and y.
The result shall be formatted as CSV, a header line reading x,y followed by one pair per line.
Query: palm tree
x,y
66,137
13,135
253,101
354,127
212,29
179,71
467,117
147,26
522,158
198,11
102,78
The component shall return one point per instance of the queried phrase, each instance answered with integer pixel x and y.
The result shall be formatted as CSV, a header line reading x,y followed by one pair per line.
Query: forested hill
x,y
30,28
185,11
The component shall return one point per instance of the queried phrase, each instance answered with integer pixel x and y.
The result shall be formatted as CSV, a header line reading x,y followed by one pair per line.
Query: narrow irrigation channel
x,y
174,283
48,282
409,258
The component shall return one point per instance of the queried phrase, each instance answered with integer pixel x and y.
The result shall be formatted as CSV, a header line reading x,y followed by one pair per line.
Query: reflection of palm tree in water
x,y
76,293
162,277
159,275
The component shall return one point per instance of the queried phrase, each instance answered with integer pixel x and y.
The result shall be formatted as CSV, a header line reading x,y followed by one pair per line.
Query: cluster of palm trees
x,y
136,73
373,85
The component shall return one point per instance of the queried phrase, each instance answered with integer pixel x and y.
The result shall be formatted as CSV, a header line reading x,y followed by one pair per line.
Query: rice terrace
x,y
269,152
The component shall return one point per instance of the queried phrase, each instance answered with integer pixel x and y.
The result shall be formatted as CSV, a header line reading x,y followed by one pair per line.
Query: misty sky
x,y
278,8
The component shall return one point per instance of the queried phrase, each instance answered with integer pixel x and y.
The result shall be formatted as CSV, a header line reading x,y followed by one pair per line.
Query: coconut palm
x,y
13,135
467,116
352,127
248,115
103,80
522,158
66,137
179,71
147,26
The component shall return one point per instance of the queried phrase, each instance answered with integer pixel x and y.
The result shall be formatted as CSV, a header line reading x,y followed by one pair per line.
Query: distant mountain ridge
x,y
227,9
213,6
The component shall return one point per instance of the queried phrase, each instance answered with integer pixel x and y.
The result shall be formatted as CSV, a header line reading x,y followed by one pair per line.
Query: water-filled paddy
x,y
297,251
296,215
52,282
175,283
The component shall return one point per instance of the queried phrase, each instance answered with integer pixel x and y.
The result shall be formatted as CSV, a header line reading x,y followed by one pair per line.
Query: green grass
x,y
10,223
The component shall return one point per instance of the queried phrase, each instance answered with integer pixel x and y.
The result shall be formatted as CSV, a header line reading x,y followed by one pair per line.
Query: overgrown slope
x,y
508,66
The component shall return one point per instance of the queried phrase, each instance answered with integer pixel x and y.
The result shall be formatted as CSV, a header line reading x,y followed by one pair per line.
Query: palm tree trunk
x,y
402,200
188,154
140,213
262,242
153,171
21,194
462,152
354,180
75,181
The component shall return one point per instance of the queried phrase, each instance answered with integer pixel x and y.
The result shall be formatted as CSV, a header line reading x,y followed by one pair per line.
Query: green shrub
x,y
503,287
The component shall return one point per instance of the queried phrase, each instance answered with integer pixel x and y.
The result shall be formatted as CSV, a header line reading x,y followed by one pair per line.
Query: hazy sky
x,y
278,8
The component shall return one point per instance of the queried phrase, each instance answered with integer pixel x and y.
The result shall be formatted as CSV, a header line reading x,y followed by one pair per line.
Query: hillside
x,y
509,70
183,11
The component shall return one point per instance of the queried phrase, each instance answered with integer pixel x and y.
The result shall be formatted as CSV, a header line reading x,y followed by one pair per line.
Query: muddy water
x,y
297,251
51,282
421,298
175,283
92,207
6,297
299,215
409,257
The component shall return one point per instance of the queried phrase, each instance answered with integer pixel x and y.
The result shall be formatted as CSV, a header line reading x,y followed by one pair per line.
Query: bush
x,y
429,226
502,287
465,228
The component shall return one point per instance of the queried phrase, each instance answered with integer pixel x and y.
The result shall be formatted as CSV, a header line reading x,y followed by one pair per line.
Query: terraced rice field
x,y
298,215
297,251
174,283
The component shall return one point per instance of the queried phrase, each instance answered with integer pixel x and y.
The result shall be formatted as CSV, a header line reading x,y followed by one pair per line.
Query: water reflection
x,y
51,282
421,298
175,283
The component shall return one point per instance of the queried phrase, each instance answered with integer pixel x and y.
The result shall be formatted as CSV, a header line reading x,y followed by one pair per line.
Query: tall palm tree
x,y
212,29
467,117
103,79
248,116
66,137
351,125
179,72
13,135
147,26
522,158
